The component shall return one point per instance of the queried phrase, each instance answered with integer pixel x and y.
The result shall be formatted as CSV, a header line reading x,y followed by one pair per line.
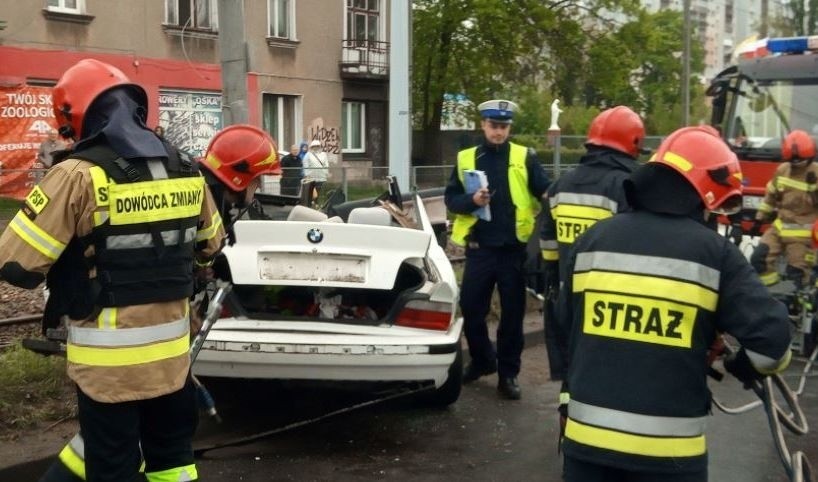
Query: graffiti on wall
x,y
329,137
190,119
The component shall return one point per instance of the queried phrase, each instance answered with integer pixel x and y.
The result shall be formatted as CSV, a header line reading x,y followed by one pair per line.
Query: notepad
x,y
474,180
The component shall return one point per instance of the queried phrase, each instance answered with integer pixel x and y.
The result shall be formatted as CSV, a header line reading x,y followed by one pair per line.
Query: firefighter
x,y
792,200
579,198
649,291
235,160
495,248
117,228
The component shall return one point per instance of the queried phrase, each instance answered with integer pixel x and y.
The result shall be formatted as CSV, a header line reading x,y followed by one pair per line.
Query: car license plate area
x,y
312,267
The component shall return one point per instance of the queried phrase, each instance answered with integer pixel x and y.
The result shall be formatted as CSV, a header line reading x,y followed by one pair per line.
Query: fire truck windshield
x,y
765,112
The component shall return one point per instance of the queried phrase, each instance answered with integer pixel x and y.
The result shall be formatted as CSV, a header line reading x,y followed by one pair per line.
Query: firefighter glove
x,y
739,365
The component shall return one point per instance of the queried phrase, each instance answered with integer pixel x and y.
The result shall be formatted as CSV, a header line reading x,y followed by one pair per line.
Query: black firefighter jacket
x,y
581,197
646,297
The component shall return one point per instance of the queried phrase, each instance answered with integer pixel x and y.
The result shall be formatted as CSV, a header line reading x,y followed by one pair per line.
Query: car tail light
x,y
428,315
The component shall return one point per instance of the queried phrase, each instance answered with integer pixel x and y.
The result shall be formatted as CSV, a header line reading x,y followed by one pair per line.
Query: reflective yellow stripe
x,y
794,184
208,233
675,159
35,237
646,286
583,212
152,201
115,357
565,397
100,182
550,255
72,461
176,474
635,444
107,318
791,230
770,278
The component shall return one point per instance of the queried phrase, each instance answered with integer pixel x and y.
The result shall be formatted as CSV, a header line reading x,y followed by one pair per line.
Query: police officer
x,y
495,248
579,198
235,160
792,199
118,227
648,292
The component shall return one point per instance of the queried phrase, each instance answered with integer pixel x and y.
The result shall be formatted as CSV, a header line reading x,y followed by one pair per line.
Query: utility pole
x,y
400,119
233,50
765,12
686,66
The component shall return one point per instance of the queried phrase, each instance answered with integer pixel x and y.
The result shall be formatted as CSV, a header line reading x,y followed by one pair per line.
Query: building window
x,y
281,19
363,20
279,118
66,6
192,14
353,122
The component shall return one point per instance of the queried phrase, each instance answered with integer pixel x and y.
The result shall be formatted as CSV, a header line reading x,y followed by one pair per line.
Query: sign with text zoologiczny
x,y
25,120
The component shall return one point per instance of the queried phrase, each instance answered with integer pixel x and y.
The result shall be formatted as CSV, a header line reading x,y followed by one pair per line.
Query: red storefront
x,y
184,97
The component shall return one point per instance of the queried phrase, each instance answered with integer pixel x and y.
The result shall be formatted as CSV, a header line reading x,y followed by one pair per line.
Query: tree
x,y
486,48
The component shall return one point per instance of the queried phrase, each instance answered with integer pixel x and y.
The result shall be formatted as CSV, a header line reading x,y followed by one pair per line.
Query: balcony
x,y
364,59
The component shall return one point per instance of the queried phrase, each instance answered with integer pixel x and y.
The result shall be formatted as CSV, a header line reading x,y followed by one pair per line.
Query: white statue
x,y
555,115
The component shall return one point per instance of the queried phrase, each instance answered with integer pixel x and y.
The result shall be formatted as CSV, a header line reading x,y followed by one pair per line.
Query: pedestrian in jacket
x,y
495,246
582,196
646,295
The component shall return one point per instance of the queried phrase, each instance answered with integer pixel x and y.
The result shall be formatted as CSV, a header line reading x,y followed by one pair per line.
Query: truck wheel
x,y
449,392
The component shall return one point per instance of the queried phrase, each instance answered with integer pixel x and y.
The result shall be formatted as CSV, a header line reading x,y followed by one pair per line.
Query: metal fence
x,y
361,181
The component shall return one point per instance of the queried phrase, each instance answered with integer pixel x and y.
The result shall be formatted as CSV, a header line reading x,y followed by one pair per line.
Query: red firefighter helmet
x,y
708,164
79,86
619,128
240,153
798,146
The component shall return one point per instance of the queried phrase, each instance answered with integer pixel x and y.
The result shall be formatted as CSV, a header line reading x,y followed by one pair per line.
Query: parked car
x,y
366,297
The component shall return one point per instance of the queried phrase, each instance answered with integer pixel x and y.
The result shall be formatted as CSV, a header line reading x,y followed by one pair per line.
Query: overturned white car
x,y
364,299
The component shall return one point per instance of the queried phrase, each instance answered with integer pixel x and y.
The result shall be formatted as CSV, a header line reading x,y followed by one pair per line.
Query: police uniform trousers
x,y
576,470
485,268
797,251
113,432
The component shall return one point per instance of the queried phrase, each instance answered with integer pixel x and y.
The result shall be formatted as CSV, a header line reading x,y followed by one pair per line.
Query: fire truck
x,y
772,90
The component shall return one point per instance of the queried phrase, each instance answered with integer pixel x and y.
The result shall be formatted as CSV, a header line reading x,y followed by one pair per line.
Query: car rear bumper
x,y
407,355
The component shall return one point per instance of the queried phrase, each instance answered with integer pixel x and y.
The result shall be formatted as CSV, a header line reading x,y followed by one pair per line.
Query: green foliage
x,y
8,208
34,389
563,50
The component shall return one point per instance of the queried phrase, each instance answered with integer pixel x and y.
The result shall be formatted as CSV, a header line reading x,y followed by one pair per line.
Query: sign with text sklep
x,y
26,118
190,119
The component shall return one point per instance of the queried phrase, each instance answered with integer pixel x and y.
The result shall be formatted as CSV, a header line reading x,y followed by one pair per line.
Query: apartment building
x,y
315,69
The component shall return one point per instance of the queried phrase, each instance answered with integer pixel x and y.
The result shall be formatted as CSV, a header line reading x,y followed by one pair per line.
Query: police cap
x,y
498,110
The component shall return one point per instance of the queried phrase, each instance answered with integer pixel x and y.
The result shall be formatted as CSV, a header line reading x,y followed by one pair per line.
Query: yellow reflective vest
x,y
526,206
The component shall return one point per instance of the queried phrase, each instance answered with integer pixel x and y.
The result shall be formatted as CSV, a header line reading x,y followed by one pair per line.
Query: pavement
x,y
479,438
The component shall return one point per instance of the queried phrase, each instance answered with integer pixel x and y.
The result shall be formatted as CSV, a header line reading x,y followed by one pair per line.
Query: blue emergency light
x,y
792,45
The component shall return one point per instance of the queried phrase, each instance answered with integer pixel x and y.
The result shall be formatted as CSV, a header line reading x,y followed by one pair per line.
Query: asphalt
x,y
479,438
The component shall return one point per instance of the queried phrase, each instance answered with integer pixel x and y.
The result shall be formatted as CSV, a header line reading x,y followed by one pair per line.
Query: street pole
x,y
234,65
400,121
686,67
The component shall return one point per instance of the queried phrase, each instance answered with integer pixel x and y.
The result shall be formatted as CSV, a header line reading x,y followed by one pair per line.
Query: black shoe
x,y
473,372
509,388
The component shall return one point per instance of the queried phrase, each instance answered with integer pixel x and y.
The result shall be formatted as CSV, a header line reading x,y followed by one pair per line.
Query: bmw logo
x,y
315,236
